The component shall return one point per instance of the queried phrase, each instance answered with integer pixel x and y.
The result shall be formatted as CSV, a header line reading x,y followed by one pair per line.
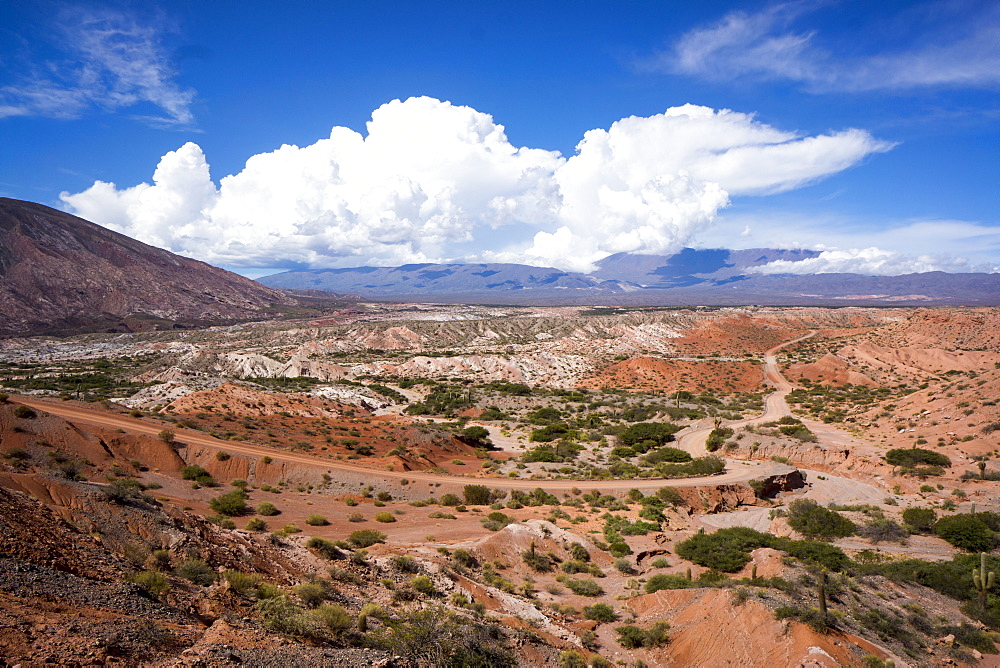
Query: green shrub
x,y
814,521
463,558
450,500
385,518
24,412
326,548
967,532
244,584
366,537
267,509
197,571
423,584
194,472
311,593
584,587
231,503
919,519
579,552
316,520
726,550
153,583
600,612
912,457
333,617
668,581
256,524
633,637
658,432
477,495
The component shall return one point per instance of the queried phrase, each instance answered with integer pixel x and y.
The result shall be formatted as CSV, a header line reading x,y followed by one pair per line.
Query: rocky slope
x,y
60,273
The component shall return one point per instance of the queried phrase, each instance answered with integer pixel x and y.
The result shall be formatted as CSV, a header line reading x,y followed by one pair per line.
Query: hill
x,y
60,273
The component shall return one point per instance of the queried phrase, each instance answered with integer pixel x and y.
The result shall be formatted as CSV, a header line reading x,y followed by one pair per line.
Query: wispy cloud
x,y
110,62
960,51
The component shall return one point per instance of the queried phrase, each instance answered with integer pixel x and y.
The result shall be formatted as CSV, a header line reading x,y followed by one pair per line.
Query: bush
x,y
267,509
450,500
579,552
316,520
668,581
814,521
168,436
230,504
883,530
824,554
463,558
477,495
717,437
384,517
633,637
366,537
256,524
584,587
194,472
600,612
311,593
333,617
919,519
326,548
966,532
197,571
24,412
244,584
151,582
423,584
912,457
658,432
725,550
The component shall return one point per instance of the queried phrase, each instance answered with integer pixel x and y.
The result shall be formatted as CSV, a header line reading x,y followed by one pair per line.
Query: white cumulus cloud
x,y
430,177
871,261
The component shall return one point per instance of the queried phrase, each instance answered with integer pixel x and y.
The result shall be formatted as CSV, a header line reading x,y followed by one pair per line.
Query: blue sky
x,y
868,130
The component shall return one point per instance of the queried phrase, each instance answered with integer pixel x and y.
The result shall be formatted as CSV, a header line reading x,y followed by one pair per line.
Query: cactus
x,y
983,581
982,468
362,622
972,509
753,573
822,596
888,663
689,573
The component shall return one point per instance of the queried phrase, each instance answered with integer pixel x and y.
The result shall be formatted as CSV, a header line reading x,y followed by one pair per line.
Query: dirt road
x,y
740,471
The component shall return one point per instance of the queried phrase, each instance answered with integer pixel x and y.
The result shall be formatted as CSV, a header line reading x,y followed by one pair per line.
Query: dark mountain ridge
x,y
60,274
691,276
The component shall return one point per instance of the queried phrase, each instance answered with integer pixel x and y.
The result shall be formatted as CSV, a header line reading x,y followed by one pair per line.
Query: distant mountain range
x,y
713,276
62,274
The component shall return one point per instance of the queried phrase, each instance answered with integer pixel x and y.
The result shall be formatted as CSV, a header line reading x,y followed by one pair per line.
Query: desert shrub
x,y
623,565
814,521
355,517
405,563
222,456
267,509
634,637
496,521
579,552
24,412
919,519
332,617
726,550
440,515
450,500
536,560
195,570
244,584
811,616
316,520
668,581
311,593
433,636
879,530
709,465
913,457
231,503
670,496
477,495
657,432
824,554
600,612
326,548
256,524
717,437
463,558
151,582
194,472
423,584
572,659
665,455
967,532
584,587
385,518
366,537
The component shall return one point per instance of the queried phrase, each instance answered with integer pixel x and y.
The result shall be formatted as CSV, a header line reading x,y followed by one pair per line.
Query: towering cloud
x,y
430,175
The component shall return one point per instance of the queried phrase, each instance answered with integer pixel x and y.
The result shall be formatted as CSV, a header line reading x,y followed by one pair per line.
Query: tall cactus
x,y
822,596
984,581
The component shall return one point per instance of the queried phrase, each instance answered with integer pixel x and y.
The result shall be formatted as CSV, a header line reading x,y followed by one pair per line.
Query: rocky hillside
x,y
60,273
